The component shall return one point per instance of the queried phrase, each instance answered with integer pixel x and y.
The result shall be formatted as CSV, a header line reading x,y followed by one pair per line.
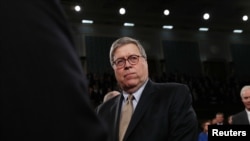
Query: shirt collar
x,y
248,112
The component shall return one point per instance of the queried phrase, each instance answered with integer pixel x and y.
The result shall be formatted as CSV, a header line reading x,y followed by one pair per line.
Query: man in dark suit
x,y
243,117
162,111
42,85
219,119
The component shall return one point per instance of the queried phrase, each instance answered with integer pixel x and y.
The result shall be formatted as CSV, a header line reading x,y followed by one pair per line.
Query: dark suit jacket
x,y
240,118
43,89
163,113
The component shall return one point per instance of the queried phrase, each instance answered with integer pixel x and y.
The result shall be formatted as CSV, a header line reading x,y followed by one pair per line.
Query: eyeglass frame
x,y
124,60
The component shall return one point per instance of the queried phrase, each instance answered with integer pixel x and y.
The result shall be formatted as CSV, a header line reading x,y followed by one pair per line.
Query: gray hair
x,y
123,41
243,90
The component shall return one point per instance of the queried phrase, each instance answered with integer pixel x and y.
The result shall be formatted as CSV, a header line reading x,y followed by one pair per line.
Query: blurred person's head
x,y
205,125
110,95
245,97
219,117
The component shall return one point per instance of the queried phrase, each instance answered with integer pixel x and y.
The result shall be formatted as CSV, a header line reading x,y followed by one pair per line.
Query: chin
x,y
130,84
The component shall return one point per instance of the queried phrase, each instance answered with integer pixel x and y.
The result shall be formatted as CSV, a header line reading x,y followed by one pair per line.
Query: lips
x,y
129,74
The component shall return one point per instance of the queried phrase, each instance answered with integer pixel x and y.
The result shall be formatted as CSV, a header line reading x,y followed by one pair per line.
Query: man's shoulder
x,y
170,86
108,104
170,89
240,118
239,114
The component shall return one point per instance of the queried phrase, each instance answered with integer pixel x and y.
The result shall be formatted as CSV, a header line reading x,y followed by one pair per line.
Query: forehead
x,y
207,123
219,115
125,50
246,93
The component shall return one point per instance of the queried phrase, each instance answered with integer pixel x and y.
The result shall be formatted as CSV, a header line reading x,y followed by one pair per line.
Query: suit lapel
x,y
118,105
146,97
245,118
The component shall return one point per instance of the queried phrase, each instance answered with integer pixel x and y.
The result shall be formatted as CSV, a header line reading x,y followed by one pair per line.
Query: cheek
x,y
142,69
244,101
118,74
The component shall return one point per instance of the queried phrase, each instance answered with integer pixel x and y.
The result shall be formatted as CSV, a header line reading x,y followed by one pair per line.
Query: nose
x,y
127,64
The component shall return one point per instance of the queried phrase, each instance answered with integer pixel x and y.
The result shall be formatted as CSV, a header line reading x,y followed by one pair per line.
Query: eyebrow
x,y
127,56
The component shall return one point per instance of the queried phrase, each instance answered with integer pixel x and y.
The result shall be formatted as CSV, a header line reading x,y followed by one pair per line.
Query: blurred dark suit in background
x,y
43,88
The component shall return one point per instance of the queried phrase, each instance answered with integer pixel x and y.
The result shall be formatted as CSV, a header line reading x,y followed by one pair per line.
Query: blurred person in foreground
x,y
43,88
161,111
203,135
243,117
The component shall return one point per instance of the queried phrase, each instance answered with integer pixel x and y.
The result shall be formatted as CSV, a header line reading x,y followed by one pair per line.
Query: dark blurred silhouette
x,y
43,88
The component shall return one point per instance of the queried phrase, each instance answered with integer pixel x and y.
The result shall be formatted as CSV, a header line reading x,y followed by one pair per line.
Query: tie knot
x,y
130,97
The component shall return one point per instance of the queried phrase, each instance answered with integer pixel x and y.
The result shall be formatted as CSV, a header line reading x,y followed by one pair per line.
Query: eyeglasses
x,y
132,59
